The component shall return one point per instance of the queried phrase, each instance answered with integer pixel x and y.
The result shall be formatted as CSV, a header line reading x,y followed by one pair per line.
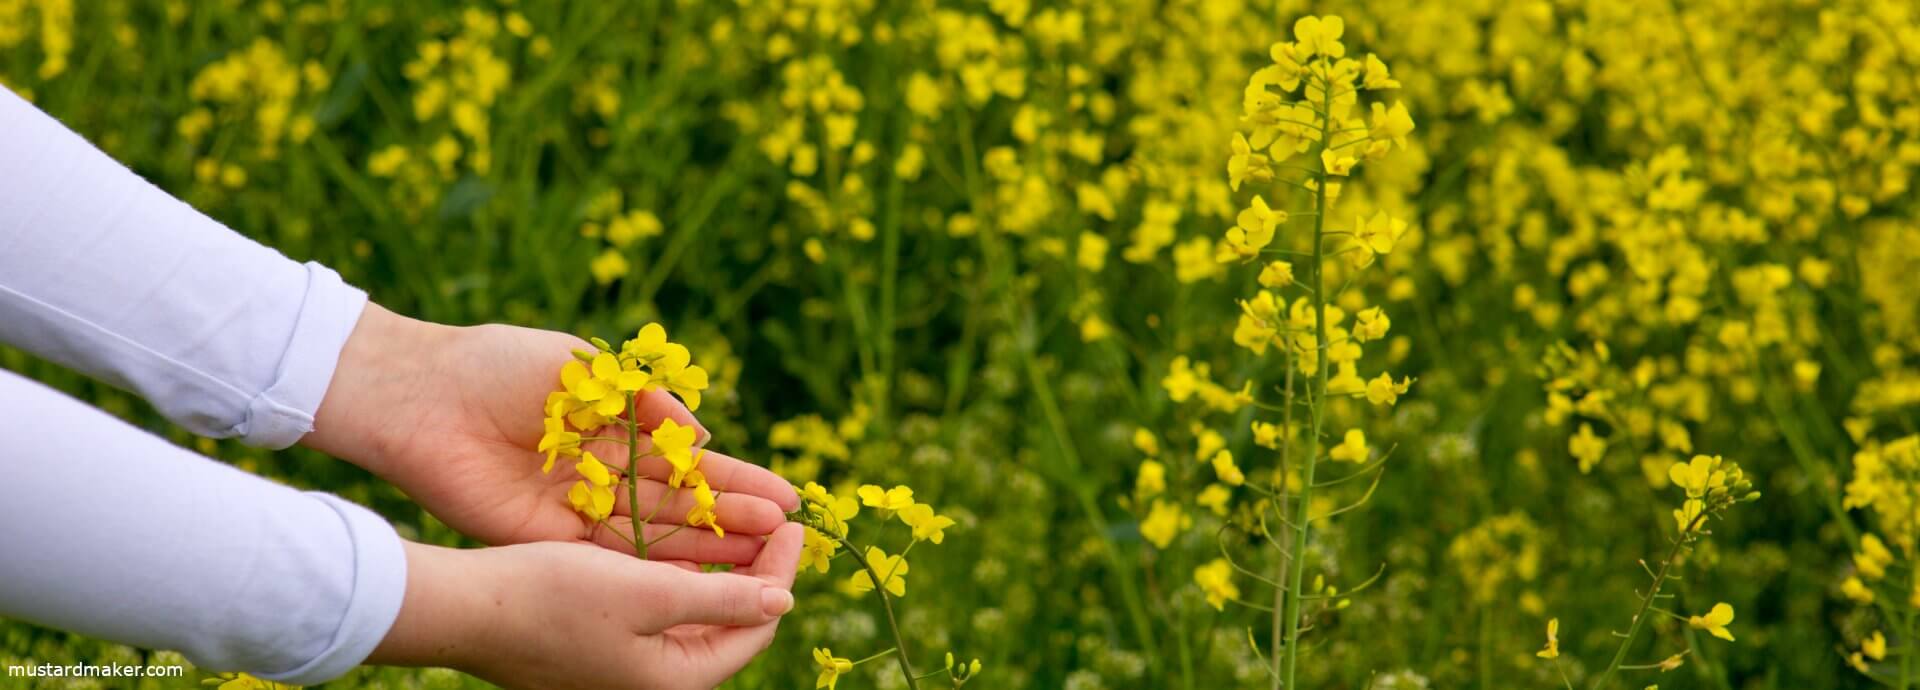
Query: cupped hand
x,y
452,417
563,616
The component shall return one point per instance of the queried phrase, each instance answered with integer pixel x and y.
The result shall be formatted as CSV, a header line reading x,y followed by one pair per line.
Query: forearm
x,y
109,531
109,275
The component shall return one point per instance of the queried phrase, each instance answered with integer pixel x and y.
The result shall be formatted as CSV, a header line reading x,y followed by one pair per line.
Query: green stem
x,y
676,530
1279,485
886,602
1653,593
1298,560
890,650
633,478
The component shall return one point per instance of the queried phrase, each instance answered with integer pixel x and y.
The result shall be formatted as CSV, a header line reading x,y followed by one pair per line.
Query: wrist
x,y
380,375
436,625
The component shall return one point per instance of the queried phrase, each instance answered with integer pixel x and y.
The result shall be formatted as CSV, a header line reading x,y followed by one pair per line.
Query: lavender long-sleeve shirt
x,y
110,531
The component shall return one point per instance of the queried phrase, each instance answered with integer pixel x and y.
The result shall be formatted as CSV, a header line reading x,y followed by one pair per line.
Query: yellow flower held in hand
x,y
833,511
595,386
558,441
675,372
675,443
702,513
592,496
817,550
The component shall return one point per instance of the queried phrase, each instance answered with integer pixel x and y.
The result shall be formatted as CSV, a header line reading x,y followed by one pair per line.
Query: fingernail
x,y
776,601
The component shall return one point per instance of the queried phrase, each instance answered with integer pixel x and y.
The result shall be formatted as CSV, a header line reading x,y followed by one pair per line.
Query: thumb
x,y
727,599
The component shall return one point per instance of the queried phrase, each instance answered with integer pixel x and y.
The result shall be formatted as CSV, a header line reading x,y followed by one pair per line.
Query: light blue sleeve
x,y
107,274
109,531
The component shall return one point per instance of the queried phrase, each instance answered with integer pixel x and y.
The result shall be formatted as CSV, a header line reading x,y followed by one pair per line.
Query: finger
x,y
725,599
736,512
779,558
650,407
728,474
732,648
688,566
673,542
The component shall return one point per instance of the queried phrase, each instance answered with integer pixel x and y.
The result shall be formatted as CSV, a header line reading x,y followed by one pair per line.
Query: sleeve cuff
x,y
282,414
379,587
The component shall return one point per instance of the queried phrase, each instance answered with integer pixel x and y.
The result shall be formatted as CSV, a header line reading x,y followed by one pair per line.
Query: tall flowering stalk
x,y
598,389
1307,104
885,575
1711,486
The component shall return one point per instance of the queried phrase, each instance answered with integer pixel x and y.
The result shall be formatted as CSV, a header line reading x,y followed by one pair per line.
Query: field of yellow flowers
x,y
1216,343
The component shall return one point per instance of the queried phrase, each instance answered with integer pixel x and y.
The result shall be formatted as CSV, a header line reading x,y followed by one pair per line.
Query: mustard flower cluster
x,y
1709,487
599,390
1304,134
828,535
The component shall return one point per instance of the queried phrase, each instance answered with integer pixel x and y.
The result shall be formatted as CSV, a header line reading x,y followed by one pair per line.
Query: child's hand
x,y
452,416
556,615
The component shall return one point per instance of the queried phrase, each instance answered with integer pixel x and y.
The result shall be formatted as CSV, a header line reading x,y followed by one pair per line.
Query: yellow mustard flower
x,y
592,495
675,372
886,501
1151,481
595,385
1216,580
557,441
1873,558
675,443
1552,650
1382,390
1716,621
1377,76
1587,447
1320,35
1164,522
833,511
1214,498
927,525
1276,274
817,550
1697,476
1353,448
831,668
702,513
1228,472
1874,646
1245,164
892,568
